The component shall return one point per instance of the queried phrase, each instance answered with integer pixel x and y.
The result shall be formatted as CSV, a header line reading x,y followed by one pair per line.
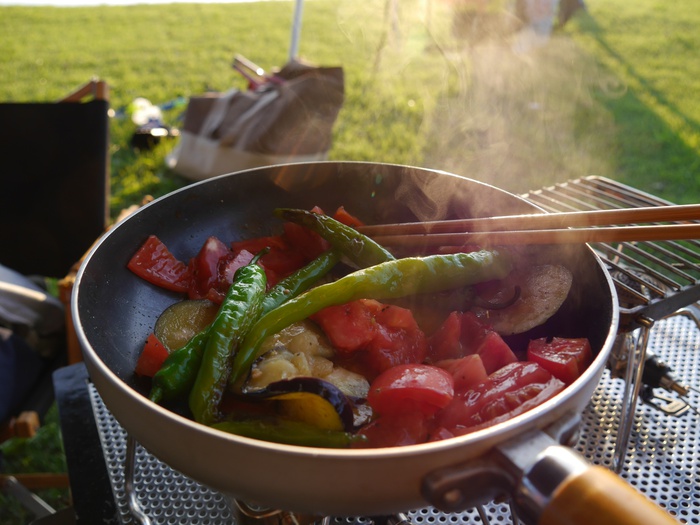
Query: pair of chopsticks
x,y
607,226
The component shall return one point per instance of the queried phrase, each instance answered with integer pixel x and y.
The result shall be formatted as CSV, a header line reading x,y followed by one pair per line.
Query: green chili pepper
x,y
300,281
179,371
357,247
389,280
289,432
239,310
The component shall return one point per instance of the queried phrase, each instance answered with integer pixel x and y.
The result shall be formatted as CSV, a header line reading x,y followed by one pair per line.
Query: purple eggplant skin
x,y
309,399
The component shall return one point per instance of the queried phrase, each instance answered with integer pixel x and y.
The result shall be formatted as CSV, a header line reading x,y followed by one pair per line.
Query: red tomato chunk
x,y
510,391
371,337
565,359
152,357
464,334
154,263
411,388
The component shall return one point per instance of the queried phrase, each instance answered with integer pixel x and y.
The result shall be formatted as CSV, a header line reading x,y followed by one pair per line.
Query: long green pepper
x,y
239,310
389,280
301,280
177,375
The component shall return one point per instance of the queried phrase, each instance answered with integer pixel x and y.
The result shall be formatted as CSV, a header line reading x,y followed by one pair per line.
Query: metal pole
x,y
296,29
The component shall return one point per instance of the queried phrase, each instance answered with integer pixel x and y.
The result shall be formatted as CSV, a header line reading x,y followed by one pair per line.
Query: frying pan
x,y
114,311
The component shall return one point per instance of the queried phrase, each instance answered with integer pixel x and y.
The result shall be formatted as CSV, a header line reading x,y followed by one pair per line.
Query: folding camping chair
x,y
54,180
54,190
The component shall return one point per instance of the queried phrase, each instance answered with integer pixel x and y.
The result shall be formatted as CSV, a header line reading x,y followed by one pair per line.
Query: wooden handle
x,y
599,497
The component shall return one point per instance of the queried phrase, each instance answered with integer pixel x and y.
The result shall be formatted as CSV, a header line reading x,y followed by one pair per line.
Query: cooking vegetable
x,y
241,307
177,375
282,259
154,263
358,248
395,430
370,337
174,379
152,357
464,334
543,289
391,279
411,388
281,430
181,321
205,271
510,391
565,359
301,280
467,372
310,400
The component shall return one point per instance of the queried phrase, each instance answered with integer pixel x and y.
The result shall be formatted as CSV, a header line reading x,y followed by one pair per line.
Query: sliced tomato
x,y
154,263
371,336
411,388
501,396
349,326
462,334
495,352
257,244
307,242
342,215
467,372
152,357
391,347
395,431
446,341
230,264
564,358
204,267
282,259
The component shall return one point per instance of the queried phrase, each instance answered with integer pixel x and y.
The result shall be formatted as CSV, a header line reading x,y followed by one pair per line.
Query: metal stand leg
x,y
129,469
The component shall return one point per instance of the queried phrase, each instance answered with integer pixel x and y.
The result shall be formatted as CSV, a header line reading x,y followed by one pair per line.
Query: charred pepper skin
x,y
239,310
357,247
388,280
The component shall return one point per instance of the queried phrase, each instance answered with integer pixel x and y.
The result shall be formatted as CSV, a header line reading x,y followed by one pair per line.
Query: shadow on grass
x,y
650,154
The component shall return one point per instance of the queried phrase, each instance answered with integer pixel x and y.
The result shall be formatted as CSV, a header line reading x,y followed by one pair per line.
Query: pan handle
x,y
599,496
589,494
549,484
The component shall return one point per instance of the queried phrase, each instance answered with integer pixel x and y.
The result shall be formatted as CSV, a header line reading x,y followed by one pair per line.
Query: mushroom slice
x,y
543,289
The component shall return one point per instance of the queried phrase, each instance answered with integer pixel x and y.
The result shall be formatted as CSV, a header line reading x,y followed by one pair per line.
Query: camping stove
x,y
641,422
661,458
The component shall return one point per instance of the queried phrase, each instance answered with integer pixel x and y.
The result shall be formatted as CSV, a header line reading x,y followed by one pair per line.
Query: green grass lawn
x,y
615,93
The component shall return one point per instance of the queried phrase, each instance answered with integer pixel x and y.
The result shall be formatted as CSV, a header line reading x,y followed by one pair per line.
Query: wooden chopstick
x,y
545,228
551,236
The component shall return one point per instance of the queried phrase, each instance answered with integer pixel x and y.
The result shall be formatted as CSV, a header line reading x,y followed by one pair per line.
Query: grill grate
x,y
662,456
653,279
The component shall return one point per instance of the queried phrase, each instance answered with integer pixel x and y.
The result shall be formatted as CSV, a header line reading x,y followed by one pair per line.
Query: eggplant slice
x,y
543,289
